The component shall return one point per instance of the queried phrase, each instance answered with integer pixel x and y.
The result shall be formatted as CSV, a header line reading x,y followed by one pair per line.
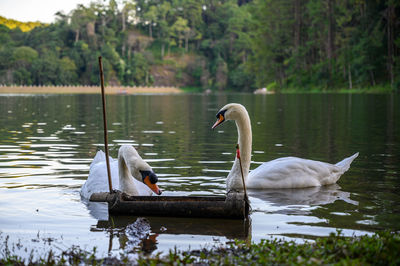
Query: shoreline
x,y
88,90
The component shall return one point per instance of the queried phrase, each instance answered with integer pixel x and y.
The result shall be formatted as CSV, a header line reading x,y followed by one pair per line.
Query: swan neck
x,y
234,179
125,177
244,138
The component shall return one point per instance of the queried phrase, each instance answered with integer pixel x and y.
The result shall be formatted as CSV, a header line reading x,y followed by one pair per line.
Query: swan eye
x,y
221,113
220,118
152,176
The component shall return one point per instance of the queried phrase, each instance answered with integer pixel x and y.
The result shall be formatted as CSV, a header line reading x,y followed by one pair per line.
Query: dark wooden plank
x,y
232,206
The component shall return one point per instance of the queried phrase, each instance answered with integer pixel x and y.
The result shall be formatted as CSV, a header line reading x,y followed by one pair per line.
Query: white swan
x,y
287,172
130,174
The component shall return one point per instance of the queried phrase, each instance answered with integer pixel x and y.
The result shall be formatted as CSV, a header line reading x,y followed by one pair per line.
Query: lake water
x,y
48,142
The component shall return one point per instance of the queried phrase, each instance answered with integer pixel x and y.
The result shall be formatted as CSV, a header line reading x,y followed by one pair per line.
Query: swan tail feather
x,y
100,157
345,163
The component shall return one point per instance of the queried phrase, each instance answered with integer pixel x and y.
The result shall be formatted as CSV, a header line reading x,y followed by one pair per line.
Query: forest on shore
x,y
238,45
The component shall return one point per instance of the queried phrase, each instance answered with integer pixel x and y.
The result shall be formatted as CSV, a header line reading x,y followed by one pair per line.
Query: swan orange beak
x,y
220,119
152,186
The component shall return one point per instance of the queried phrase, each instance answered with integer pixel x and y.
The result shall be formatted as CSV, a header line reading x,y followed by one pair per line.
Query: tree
x,y
127,14
164,29
221,75
45,70
24,56
179,30
271,41
82,18
140,70
240,45
67,71
151,18
390,21
191,11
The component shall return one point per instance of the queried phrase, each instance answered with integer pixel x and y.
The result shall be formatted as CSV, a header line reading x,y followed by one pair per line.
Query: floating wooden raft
x,y
233,205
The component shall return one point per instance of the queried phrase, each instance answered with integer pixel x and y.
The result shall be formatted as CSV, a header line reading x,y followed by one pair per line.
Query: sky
x,y
37,10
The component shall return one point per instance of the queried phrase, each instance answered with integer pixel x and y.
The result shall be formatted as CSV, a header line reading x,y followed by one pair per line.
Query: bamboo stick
x,y
105,125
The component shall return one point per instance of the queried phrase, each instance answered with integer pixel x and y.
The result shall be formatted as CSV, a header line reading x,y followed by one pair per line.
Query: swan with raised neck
x,y
238,113
286,172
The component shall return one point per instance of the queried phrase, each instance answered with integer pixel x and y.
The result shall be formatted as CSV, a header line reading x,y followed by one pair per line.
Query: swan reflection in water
x,y
141,233
98,210
136,235
296,201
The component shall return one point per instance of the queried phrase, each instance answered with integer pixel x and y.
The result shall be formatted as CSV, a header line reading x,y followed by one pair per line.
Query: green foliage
x,y
67,72
25,55
139,72
45,70
23,26
22,76
243,45
339,44
377,249
192,89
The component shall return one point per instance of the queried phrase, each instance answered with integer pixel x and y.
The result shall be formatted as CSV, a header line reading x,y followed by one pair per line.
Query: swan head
x,y
138,168
150,179
231,111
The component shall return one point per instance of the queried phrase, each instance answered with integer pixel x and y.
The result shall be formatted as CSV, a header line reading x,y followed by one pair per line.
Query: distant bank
x,y
86,90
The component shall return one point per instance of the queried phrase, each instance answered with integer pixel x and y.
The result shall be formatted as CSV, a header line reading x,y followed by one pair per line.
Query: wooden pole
x,y
241,170
105,125
246,198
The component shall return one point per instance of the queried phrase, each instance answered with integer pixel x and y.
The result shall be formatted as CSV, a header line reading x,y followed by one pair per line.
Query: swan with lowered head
x,y
286,172
130,174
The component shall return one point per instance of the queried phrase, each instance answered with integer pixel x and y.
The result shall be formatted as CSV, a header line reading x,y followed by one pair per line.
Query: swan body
x,y
286,172
293,172
129,174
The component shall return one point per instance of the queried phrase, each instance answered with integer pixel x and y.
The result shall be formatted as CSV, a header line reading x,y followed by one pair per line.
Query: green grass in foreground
x,y
379,249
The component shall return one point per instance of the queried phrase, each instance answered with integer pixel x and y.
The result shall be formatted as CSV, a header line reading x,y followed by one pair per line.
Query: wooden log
x,y
232,206
103,197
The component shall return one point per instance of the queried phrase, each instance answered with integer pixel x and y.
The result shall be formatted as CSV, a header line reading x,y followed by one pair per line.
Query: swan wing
x,y
293,172
97,180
